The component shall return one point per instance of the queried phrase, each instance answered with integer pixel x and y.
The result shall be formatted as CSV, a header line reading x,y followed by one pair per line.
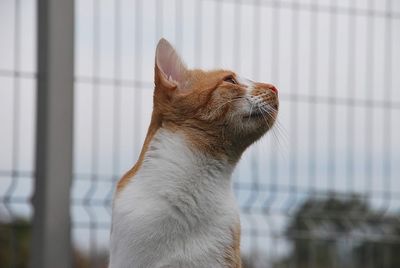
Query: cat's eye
x,y
230,79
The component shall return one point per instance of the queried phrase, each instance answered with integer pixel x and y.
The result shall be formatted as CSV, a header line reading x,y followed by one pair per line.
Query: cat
x,y
175,207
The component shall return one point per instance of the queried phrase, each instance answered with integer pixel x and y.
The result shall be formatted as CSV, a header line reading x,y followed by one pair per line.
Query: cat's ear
x,y
169,68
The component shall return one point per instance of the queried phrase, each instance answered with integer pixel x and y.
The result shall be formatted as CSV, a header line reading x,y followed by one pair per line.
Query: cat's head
x,y
219,111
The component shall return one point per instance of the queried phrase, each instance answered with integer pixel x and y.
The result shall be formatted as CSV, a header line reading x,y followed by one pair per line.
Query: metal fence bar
x,y
15,129
51,245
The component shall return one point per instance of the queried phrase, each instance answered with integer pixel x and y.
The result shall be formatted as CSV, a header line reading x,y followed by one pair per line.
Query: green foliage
x,y
331,232
14,243
345,232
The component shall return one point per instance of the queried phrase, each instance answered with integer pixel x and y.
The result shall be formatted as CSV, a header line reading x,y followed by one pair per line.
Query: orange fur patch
x,y
198,108
176,109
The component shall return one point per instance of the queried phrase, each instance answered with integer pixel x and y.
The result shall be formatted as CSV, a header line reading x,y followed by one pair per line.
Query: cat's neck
x,y
213,144
172,155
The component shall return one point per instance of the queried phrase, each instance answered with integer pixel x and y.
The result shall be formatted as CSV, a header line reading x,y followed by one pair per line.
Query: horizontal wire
x,y
319,8
304,98
17,74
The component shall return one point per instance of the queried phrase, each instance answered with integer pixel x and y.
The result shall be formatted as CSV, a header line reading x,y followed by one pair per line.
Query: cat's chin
x,y
255,125
259,119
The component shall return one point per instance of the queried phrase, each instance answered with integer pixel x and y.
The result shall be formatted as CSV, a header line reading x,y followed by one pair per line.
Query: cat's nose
x,y
268,87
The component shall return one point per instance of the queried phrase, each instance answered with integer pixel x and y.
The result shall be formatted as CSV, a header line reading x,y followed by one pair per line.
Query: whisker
x,y
251,109
227,102
278,131
274,135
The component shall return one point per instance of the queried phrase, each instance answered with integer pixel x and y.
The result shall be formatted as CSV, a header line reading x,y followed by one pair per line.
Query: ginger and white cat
x,y
175,207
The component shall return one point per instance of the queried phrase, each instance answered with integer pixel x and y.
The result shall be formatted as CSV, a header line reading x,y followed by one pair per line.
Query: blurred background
x,y
320,190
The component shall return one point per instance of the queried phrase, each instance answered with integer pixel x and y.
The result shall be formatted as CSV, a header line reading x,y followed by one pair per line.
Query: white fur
x,y
246,82
177,211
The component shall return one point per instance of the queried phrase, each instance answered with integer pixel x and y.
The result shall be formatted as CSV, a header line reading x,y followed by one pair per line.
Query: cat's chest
x,y
157,229
182,205
156,232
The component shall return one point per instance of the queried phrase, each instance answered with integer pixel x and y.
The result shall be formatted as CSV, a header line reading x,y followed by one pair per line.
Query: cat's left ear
x,y
169,68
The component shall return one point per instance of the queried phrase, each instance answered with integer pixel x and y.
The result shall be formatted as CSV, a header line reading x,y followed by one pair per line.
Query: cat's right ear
x,y
169,71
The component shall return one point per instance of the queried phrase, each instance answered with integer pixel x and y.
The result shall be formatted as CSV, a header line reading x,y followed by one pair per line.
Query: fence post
x,y
51,242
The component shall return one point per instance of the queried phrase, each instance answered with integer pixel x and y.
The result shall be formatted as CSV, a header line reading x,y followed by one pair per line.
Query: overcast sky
x,y
311,57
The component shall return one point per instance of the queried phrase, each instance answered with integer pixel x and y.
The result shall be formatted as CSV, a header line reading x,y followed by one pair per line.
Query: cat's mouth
x,y
254,115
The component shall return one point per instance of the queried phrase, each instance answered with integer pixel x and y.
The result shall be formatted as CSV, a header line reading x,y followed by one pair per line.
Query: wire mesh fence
x,y
321,191
17,105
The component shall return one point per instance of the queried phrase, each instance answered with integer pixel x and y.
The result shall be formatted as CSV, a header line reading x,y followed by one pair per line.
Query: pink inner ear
x,y
169,62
